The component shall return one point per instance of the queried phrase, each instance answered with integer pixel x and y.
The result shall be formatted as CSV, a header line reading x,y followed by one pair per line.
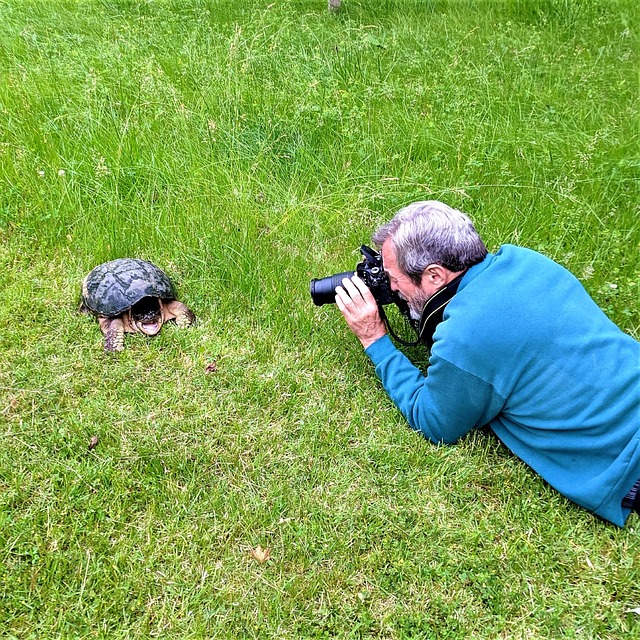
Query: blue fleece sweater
x,y
524,349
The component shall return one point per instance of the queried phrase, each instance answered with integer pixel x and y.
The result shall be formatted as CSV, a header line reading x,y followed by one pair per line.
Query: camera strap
x,y
404,310
434,307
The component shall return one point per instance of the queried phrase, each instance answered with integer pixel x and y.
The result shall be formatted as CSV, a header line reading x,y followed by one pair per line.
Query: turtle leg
x,y
82,308
113,330
179,312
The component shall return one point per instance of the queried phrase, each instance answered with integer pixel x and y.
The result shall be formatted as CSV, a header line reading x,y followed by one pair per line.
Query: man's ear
x,y
435,275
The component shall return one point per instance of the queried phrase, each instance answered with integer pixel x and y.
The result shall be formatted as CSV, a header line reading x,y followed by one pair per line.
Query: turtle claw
x,y
185,320
113,344
183,316
113,329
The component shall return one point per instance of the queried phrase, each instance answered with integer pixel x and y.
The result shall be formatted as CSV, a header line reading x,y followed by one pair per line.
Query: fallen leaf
x,y
93,443
212,367
260,555
13,403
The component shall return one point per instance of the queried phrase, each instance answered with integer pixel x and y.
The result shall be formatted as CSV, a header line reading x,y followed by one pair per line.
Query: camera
x,y
370,271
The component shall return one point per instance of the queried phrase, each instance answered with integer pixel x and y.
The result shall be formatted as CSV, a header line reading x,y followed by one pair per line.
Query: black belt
x,y
632,499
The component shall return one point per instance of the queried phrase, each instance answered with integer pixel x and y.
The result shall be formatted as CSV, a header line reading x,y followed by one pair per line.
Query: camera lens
x,y
323,290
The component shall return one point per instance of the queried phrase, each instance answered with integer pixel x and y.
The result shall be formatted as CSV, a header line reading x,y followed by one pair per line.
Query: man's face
x,y
416,296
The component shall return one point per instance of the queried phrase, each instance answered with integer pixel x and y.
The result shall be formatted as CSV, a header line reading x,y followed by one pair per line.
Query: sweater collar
x,y
434,307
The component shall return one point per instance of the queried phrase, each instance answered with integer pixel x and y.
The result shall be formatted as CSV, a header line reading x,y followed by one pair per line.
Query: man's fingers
x,y
359,282
364,290
351,289
354,293
356,288
342,297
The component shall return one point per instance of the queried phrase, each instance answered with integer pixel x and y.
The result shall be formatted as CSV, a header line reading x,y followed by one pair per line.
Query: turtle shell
x,y
113,287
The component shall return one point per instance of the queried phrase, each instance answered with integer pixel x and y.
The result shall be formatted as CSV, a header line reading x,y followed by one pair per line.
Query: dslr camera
x,y
370,271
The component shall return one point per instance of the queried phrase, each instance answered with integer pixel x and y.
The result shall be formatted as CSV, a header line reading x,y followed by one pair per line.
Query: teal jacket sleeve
x,y
444,405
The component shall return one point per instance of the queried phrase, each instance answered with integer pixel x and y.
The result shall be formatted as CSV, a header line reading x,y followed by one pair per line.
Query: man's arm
x,y
444,405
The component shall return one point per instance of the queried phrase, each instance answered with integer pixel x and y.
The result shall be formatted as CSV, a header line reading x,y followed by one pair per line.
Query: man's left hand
x,y
360,310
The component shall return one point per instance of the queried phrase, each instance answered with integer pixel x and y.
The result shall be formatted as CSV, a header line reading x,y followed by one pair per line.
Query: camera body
x,y
369,270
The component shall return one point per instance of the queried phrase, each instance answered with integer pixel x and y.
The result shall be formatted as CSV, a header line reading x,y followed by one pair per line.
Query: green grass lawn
x,y
246,147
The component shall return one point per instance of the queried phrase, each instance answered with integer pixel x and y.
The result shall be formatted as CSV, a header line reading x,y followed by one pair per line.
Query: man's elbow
x,y
444,439
438,434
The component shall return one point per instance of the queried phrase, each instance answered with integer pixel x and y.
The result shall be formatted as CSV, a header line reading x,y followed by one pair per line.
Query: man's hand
x,y
360,310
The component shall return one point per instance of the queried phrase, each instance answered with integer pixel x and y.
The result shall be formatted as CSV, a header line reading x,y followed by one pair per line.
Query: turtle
x,y
129,295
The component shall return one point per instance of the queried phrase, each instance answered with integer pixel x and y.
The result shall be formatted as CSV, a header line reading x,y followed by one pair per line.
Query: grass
x,y
247,147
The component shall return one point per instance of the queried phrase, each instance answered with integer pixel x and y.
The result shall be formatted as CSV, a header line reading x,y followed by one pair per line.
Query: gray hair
x,y
431,232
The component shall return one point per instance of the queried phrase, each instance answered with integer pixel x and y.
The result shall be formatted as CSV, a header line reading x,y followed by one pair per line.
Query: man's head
x,y
424,247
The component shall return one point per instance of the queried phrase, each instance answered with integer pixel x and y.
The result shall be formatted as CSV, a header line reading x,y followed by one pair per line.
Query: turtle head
x,y
146,316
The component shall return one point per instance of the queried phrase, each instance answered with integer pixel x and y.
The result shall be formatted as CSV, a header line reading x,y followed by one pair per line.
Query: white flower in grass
x,y
588,272
61,172
102,169
41,173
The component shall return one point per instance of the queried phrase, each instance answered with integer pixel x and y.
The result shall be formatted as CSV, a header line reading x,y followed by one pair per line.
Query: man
x,y
521,348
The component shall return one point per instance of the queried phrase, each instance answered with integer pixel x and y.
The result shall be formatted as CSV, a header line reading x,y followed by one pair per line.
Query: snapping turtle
x,y
131,295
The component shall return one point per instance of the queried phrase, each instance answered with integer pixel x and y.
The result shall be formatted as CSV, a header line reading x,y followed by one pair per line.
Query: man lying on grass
x,y
521,348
